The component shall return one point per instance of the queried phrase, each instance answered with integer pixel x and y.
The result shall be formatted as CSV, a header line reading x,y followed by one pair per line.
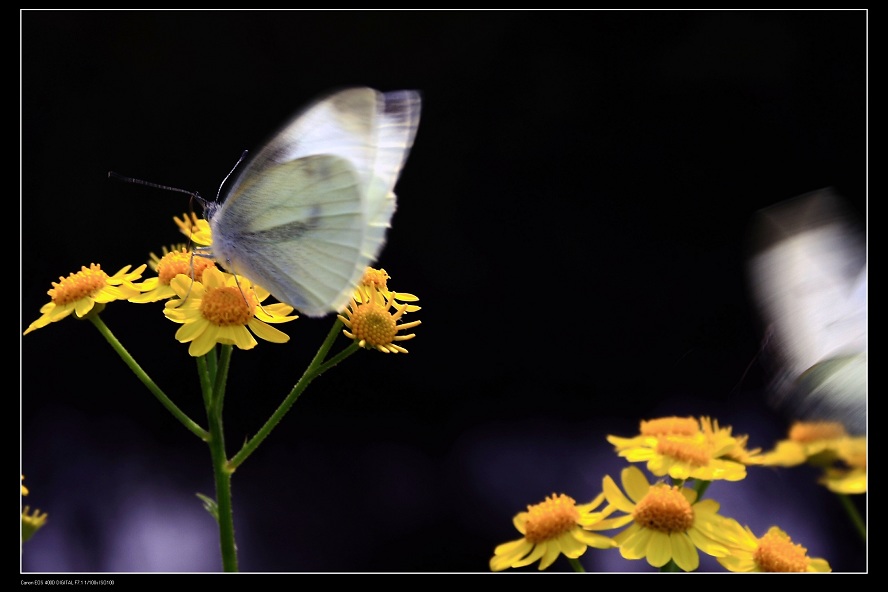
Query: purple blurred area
x,y
338,498
574,218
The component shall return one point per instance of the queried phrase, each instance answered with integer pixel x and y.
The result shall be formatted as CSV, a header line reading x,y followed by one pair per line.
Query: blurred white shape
x,y
808,278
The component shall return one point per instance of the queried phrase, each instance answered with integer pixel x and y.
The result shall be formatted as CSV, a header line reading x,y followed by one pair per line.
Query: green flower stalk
x,y
218,312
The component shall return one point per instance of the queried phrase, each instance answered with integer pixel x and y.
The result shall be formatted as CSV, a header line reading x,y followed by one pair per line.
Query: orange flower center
x,y
665,509
777,553
176,262
373,324
551,518
682,426
695,452
804,432
228,305
375,278
82,284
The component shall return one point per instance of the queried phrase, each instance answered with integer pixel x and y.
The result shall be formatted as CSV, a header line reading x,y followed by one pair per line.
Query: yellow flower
x,y
172,263
815,441
31,523
684,448
850,476
154,260
737,451
552,527
377,279
827,445
667,524
773,552
196,229
81,291
220,309
848,481
372,325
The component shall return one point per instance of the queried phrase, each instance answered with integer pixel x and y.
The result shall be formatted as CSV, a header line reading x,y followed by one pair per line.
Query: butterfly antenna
x,y
125,179
758,354
218,194
225,180
194,196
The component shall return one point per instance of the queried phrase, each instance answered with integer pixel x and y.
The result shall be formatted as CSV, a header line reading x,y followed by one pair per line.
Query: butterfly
x,y
809,280
310,211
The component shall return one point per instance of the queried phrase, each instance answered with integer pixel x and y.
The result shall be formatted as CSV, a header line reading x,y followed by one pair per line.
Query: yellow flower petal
x,y
571,545
553,550
659,548
635,543
267,332
684,553
507,554
635,483
203,343
593,539
236,335
538,551
615,496
83,306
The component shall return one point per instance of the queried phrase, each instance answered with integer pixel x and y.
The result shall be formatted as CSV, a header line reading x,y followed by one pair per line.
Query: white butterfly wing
x,y
310,211
809,281
397,120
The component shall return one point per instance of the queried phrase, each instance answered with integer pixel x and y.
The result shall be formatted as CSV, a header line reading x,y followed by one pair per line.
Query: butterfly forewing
x,y
301,250
397,121
310,211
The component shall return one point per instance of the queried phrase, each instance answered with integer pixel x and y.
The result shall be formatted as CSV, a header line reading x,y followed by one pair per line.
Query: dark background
x,y
573,217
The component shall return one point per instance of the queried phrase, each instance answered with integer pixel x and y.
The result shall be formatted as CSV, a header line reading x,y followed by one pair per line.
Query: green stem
x,y
206,374
221,378
315,369
700,487
855,516
576,565
670,566
146,380
221,471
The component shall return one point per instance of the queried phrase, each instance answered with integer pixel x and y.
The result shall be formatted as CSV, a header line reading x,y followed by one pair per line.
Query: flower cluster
x,y
685,448
669,523
216,307
369,318
827,445
213,307
82,291
553,527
